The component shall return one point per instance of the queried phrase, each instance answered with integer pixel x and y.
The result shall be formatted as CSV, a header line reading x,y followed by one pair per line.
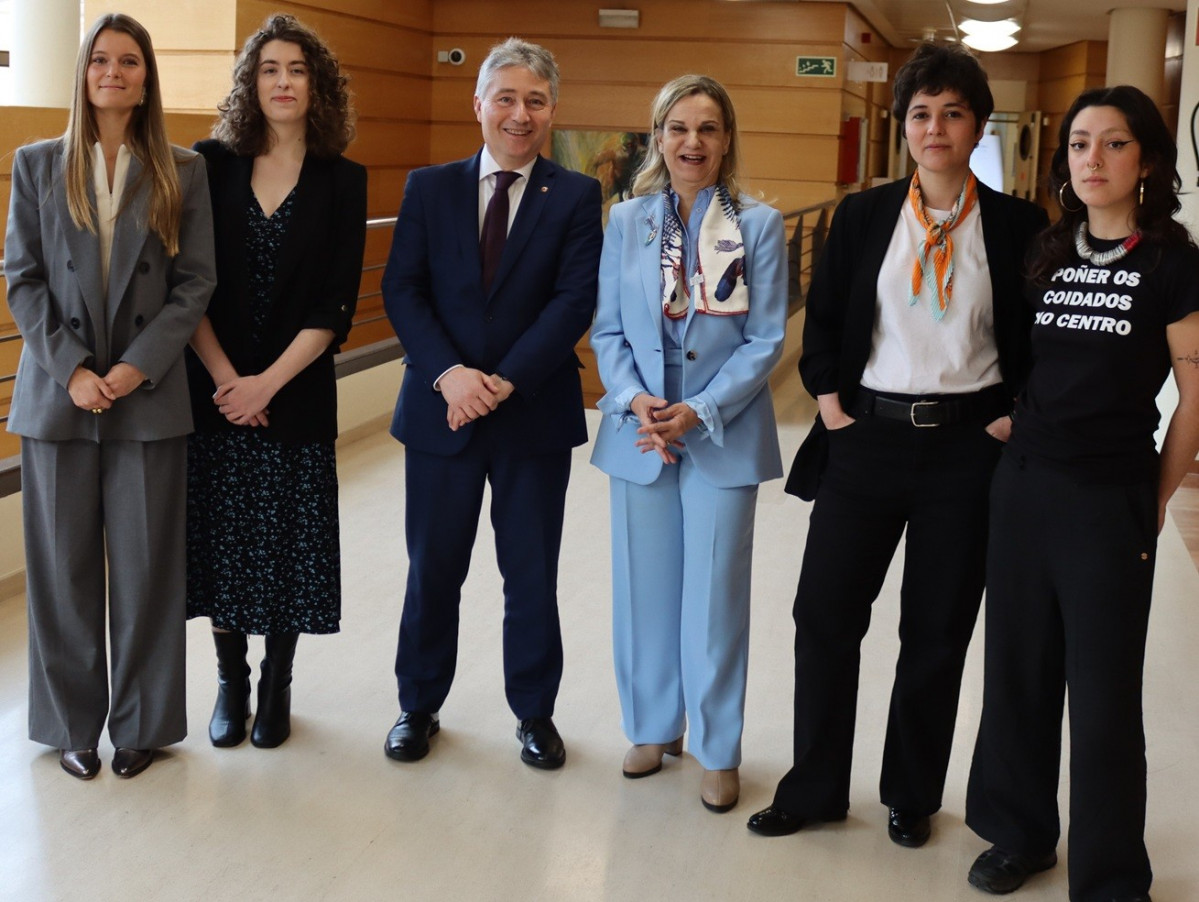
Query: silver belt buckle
x,y
916,404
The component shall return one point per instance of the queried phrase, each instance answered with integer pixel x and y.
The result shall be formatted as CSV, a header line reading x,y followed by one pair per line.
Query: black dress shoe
x,y
81,763
911,830
996,871
541,746
131,762
408,740
774,822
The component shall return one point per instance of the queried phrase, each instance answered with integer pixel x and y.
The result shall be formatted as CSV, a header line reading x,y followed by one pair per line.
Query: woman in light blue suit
x,y
692,309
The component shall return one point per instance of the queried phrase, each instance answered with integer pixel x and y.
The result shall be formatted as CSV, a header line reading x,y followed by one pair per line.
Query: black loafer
x,y
999,872
541,746
774,822
408,740
82,764
131,762
911,830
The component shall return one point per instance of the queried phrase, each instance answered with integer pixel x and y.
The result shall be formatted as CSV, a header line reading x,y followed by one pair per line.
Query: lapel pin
x,y
544,189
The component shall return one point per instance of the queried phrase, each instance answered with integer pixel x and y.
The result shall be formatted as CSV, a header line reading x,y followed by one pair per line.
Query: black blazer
x,y
317,275
841,300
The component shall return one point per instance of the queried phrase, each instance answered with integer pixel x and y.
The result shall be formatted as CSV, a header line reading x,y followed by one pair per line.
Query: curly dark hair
x,y
242,127
1159,153
934,68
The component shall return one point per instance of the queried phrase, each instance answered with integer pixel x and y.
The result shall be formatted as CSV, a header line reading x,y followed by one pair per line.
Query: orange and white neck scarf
x,y
934,262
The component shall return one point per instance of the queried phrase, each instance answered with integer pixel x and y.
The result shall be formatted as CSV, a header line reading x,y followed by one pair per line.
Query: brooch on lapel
x,y
653,229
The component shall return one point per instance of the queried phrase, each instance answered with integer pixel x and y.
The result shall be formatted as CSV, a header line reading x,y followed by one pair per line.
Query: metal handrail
x,y
803,251
807,240
345,364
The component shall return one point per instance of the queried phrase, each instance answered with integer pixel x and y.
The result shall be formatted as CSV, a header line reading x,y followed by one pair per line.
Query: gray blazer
x,y
55,294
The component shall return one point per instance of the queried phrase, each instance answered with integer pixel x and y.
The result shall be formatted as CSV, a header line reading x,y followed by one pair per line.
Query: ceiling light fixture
x,y
989,43
1004,27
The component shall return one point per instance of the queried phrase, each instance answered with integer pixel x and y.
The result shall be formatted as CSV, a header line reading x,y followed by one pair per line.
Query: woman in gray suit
x,y
108,258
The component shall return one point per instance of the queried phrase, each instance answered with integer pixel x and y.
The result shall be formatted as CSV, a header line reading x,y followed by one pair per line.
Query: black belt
x,y
935,410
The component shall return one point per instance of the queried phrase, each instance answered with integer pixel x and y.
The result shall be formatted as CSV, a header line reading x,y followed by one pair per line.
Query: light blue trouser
x,y
681,555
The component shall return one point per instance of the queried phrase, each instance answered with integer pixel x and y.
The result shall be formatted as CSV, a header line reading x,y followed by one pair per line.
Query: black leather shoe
x,y
911,830
81,763
541,745
774,822
131,762
996,871
408,740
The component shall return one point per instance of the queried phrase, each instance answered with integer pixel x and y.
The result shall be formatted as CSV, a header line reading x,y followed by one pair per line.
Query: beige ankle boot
x,y
644,760
720,789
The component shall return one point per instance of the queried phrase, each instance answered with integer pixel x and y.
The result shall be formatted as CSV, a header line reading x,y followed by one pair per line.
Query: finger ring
x,y
97,410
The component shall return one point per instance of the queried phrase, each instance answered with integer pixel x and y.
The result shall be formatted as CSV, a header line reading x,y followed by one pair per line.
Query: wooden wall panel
x,y
1065,73
673,20
867,100
358,42
194,41
640,61
610,76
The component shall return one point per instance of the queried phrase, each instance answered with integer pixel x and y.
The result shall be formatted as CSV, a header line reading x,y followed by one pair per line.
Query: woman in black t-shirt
x,y
1076,505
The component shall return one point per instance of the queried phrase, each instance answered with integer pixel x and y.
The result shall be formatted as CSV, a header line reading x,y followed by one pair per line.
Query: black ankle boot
x,y
272,726
228,725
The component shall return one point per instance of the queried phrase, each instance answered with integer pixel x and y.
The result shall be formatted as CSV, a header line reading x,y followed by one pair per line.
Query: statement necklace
x,y
1103,258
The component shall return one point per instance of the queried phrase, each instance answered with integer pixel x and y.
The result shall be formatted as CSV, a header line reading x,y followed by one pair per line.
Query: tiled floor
x,y
327,816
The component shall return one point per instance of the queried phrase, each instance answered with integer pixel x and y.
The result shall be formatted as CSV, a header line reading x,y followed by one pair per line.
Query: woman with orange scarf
x,y
915,344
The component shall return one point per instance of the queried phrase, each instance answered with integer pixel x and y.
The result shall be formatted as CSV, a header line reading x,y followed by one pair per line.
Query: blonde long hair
x,y
652,176
146,136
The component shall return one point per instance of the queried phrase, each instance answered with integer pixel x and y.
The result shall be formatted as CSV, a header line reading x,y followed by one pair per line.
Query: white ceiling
x,y
1047,23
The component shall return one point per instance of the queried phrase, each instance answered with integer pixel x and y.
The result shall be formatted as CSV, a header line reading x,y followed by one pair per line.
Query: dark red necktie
x,y
495,227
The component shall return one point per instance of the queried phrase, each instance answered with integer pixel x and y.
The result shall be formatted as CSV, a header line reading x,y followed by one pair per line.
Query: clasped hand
x,y
662,425
243,400
90,391
470,394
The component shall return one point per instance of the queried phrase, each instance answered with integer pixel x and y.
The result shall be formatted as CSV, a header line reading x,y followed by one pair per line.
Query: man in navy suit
x,y
491,392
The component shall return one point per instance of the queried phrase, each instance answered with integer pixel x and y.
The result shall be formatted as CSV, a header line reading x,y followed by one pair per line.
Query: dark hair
x,y
1159,154
934,68
330,123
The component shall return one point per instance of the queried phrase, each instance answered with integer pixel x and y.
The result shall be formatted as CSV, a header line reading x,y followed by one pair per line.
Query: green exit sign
x,y
818,66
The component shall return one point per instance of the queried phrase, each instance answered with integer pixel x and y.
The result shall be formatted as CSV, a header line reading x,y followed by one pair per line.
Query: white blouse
x,y
108,201
911,352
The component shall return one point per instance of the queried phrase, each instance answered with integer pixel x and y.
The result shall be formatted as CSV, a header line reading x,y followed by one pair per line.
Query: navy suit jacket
x,y
526,326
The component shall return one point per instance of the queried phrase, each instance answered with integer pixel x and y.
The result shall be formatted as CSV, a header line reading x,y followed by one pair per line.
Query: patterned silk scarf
x,y
721,250
937,273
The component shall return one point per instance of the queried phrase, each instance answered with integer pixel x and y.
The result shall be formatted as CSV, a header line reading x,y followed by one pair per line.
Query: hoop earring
x,y
1061,199
1141,194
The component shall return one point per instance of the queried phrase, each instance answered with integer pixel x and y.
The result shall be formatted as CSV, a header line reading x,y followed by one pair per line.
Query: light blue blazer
x,y
727,360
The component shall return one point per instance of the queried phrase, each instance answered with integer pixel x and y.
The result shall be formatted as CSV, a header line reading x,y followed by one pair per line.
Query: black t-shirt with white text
x,y
1099,360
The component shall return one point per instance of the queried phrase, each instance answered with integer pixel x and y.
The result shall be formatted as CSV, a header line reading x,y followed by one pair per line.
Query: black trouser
x,y
1069,577
883,476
